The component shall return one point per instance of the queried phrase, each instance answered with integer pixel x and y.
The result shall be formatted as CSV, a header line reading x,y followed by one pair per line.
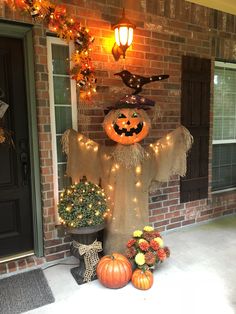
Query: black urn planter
x,y
85,236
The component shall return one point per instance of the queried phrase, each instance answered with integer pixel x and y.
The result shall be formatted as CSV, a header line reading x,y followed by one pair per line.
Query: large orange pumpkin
x,y
127,125
142,280
114,271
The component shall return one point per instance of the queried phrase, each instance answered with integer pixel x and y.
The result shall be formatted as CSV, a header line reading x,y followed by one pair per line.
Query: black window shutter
x,y
195,116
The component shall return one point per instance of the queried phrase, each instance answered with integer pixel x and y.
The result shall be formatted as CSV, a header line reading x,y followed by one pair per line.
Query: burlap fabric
x,y
91,259
126,187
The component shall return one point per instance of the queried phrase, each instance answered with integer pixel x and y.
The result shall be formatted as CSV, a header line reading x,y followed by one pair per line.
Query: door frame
x,y
24,32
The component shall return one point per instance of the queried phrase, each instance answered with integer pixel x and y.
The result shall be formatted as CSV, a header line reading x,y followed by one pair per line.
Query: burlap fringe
x,y
65,142
129,155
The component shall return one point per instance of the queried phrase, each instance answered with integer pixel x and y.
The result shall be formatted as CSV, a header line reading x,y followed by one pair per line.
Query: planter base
x,y
78,273
84,236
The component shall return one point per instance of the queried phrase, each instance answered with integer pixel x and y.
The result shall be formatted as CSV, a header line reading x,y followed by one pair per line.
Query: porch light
x,y
123,30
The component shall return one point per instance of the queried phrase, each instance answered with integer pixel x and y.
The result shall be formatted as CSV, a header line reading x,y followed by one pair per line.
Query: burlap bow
x,y
91,258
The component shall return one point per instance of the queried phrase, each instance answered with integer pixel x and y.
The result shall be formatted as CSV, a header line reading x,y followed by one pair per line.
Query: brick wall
x,y
166,30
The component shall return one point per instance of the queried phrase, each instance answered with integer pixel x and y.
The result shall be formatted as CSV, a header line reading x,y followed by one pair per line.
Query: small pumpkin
x,y
114,271
142,279
127,125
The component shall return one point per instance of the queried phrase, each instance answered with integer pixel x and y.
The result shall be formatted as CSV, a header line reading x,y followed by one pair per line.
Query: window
x,y
63,106
224,127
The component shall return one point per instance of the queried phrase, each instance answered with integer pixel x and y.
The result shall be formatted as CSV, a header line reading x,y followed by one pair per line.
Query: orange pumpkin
x,y
142,280
114,271
127,125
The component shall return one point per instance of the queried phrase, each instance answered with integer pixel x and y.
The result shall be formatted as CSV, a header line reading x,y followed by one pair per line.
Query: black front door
x,y
16,234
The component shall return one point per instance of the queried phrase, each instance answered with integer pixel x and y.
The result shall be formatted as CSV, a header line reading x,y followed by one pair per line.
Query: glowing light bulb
x,y
138,170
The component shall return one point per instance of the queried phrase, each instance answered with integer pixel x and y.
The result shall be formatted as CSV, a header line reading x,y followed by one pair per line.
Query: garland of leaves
x,y
67,28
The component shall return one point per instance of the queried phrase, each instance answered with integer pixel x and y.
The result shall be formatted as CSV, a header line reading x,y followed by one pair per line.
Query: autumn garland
x,y
69,29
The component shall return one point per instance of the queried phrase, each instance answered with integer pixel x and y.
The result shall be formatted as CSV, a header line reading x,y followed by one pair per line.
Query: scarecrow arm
x,y
82,157
169,154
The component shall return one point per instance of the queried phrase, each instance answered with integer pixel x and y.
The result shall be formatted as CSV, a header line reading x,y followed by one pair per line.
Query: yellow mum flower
x,y
148,228
140,259
137,233
159,241
142,240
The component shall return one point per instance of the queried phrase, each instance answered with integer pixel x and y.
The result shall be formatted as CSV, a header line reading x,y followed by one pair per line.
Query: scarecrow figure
x,y
127,169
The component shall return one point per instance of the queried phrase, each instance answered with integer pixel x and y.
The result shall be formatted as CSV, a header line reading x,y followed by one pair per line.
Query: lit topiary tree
x,y
82,205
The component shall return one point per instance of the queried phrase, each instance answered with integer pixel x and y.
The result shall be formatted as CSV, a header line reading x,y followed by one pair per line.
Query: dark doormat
x,y
24,292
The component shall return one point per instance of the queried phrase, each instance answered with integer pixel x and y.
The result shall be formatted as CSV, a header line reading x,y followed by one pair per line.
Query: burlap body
x,y
126,187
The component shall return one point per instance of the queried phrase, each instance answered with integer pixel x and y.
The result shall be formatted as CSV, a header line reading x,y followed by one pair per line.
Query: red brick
x,y
188,222
156,218
172,226
162,210
22,264
58,248
12,266
54,242
177,219
54,257
161,223
192,204
206,212
171,202
172,214
30,261
3,268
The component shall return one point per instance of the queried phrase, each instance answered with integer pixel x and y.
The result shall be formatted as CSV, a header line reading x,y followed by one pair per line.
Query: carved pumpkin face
x,y
127,126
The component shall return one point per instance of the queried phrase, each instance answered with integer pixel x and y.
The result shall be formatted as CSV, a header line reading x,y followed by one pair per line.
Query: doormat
x,y
24,292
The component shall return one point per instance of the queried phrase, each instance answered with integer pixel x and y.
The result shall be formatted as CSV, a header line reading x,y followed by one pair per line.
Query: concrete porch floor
x,y
199,277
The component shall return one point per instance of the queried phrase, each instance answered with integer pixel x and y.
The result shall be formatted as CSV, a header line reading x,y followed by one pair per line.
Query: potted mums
x,y
145,250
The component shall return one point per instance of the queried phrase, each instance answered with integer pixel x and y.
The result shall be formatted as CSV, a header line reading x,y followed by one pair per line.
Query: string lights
x,y
82,205
67,28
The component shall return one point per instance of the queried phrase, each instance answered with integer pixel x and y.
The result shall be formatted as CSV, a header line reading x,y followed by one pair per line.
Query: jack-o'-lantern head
x,y
127,125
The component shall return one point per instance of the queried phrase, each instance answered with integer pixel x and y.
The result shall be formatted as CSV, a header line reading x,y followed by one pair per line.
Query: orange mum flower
x,y
144,246
161,254
131,252
130,242
154,245
150,258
